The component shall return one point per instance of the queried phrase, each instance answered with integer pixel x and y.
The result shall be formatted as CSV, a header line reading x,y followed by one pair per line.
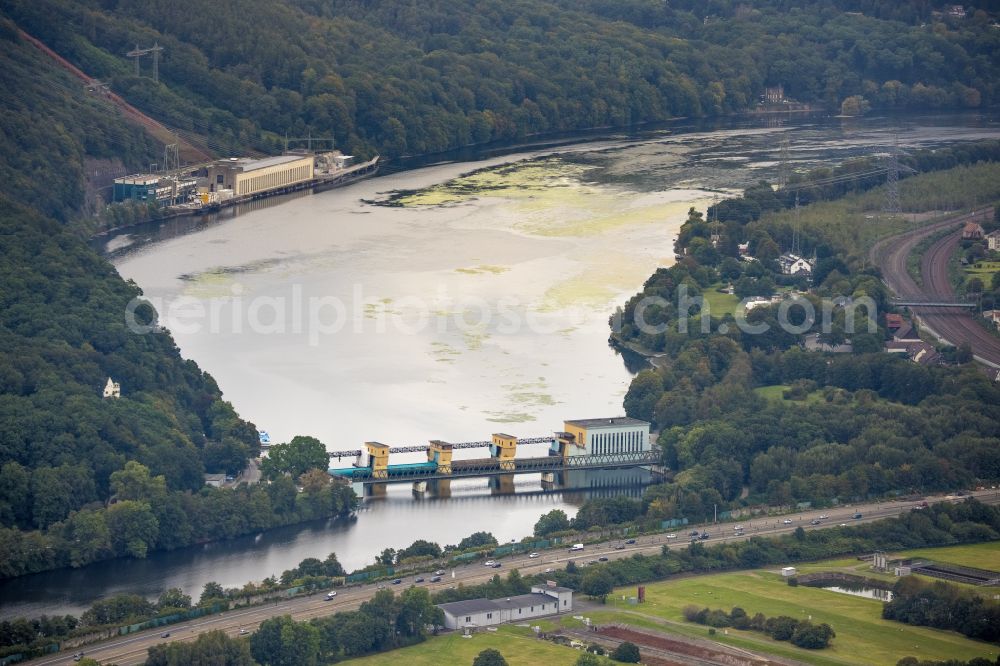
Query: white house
x,y
792,264
993,240
112,389
541,601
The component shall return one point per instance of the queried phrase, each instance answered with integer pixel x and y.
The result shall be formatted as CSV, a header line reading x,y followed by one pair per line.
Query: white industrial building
x,y
585,437
475,613
247,177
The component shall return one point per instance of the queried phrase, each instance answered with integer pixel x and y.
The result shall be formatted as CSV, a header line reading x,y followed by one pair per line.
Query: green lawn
x,y
518,645
863,637
775,393
980,555
720,304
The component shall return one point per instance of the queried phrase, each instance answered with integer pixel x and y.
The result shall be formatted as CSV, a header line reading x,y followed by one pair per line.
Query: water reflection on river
x,y
425,350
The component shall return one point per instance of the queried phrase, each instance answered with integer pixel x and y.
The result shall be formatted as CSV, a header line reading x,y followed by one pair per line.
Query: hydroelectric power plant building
x,y
246,177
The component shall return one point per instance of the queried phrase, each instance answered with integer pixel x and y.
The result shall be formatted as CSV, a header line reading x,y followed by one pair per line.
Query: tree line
x,y
404,79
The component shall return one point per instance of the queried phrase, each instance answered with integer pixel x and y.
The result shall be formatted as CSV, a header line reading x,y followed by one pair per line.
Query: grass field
x,y
863,637
980,555
775,393
983,268
720,304
517,644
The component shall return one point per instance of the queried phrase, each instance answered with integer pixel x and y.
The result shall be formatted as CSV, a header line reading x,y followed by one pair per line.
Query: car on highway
x,y
620,546
380,586
77,657
244,631
549,570
165,634
704,535
532,555
671,536
331,594
489,563
630,541
738,528
857,516
436,579
397,581
602,559
843,525
439,572
694,533
824,517
497,565
418,580
814,521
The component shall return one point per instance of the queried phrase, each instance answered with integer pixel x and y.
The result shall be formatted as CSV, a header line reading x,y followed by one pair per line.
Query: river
x,y
472,304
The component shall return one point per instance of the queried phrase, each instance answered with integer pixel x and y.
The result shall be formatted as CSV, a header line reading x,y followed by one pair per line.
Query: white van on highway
x,y
576,547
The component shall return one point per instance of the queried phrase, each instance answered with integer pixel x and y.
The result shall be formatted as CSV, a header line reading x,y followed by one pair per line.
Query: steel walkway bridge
x,y
416,472
930,303
418,448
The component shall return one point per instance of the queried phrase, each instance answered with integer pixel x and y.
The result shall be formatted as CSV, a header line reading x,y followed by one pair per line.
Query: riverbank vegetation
x,y
854,425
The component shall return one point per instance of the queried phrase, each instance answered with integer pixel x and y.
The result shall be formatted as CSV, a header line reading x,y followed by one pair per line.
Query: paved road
x,y
133,649
952,325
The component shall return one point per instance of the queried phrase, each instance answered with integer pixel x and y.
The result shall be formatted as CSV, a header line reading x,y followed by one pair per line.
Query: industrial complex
x,y
229,181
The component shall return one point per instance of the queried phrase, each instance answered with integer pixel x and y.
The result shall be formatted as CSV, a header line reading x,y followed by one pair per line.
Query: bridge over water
x,y
612,443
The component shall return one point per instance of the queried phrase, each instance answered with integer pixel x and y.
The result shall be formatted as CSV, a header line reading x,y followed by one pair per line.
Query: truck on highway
x,y
576,547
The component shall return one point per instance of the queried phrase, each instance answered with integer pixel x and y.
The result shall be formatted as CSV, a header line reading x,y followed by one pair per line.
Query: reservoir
x,y
446,302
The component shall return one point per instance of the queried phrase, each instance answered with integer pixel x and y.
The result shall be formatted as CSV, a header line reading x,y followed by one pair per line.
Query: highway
x,y
129,650
952,325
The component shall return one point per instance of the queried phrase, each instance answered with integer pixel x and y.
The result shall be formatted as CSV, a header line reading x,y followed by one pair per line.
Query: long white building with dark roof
x,y
475,613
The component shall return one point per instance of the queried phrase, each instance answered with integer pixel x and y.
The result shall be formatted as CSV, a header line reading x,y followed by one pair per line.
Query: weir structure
x,y
607,443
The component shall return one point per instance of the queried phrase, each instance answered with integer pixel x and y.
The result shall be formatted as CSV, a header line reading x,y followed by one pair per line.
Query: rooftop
x,y
469,606
252,165
524,600
614,422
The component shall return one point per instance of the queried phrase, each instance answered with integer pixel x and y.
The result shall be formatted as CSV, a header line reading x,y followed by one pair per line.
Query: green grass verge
x,y
518,645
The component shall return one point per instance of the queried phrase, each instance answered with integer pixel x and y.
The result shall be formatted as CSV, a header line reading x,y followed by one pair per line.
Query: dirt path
x,y
187,151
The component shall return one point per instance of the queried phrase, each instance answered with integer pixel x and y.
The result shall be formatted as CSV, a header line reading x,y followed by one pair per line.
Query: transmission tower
x,y
892,180
796,233
171,157
137,53
783,165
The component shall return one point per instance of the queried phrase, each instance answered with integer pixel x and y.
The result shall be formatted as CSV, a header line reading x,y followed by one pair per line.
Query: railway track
x,y
950,325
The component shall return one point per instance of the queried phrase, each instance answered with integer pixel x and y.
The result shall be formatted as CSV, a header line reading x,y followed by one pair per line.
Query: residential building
x,y
112,389
972,231
792,264
215,480
993,241
543,600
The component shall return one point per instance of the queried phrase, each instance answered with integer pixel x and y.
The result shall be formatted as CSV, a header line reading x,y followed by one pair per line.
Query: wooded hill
x,y
415,77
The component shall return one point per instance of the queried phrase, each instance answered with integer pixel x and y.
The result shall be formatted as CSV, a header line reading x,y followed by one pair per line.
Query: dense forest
x,y
404,78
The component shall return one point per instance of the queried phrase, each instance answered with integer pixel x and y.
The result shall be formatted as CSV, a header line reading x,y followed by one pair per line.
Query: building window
x,y
532,609
519,610
468,618
564,602
489,616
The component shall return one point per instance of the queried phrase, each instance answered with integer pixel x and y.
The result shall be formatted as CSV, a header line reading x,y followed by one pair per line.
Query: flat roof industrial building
x,y
474,613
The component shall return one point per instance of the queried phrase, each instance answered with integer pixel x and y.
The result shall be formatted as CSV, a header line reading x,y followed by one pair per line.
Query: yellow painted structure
x,y
378,459
247,177
569,444
504,449
440,452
